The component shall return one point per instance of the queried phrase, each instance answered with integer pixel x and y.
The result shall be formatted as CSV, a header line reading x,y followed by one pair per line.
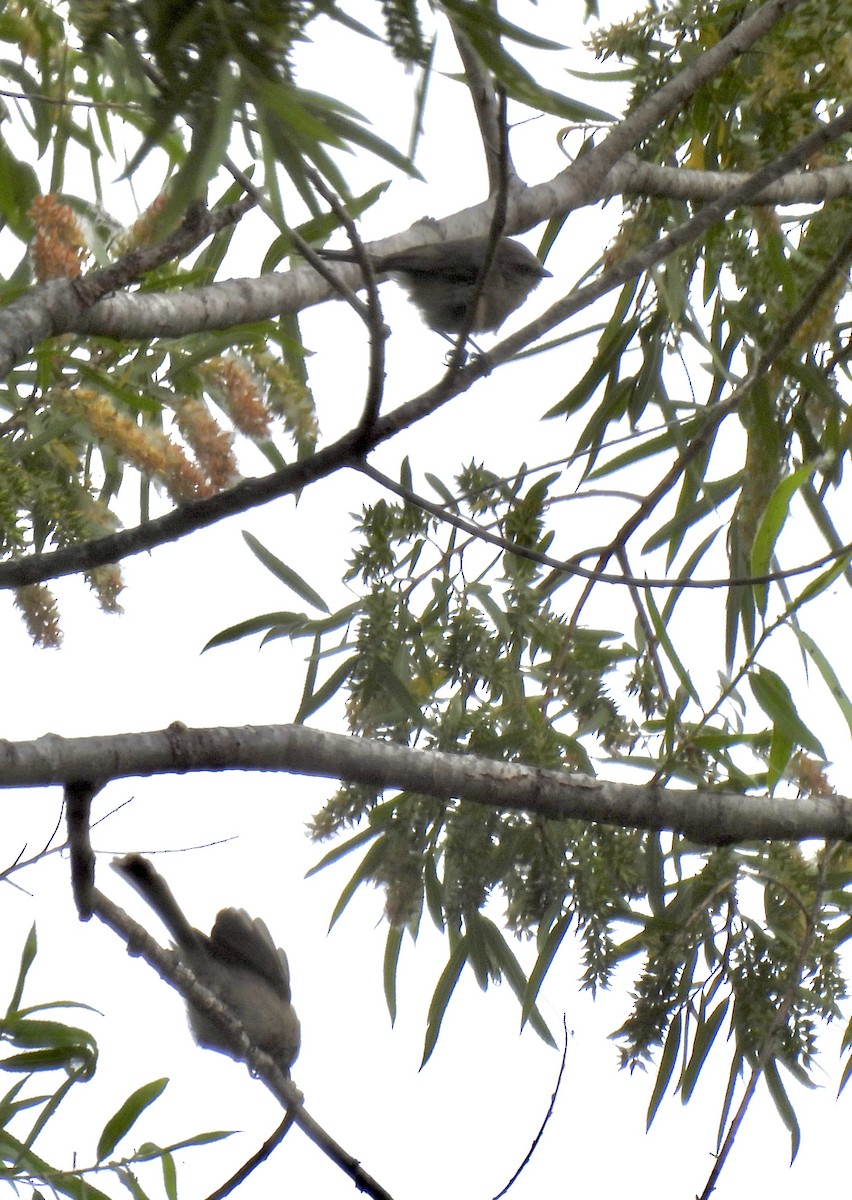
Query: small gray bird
x,y
239,962
441,278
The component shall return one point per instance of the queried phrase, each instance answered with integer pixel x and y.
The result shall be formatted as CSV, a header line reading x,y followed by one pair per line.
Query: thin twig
x,y
490,113
259,1156
486,275
547,1116
198,224
378,331
572,566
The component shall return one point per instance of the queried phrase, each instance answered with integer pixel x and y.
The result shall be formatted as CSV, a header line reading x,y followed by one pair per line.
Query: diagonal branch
x,y
173,972
591,170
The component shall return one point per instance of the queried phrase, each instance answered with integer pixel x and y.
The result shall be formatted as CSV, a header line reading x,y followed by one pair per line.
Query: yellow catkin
x,y
241,396
142,446
41,616
107,584
211,445
145,229
58,247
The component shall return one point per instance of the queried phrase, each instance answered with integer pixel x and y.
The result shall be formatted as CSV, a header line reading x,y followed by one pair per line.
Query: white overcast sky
x,y
463,1124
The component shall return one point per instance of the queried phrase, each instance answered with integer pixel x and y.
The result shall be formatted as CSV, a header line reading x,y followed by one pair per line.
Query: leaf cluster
x,y
41,1047
713,961
456,646
761,104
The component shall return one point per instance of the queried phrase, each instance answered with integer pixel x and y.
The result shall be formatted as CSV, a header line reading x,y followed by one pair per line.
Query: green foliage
x,y
196,78
445,652
713,964
710,399
47,1046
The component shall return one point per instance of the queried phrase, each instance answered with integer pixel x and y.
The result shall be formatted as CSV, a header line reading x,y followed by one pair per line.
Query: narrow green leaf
x,y
43,1034
668,646
433,892
286,574
847,1071
612,345
774,516
443,491
478,951
393,945
362,874
734,1075
780,752
783,1106
542,963
655,873
705,1035
397,690
311,704
310,676
19,186
169,1176
490,21
51,1106
512,971
687,571
773,696
828,674
497,614
127,1115
643,448
772,522
420,97
441,996
27,1161
320,228
27,955
149,1150
668,1058
207,148
253,625
340,850
54,1059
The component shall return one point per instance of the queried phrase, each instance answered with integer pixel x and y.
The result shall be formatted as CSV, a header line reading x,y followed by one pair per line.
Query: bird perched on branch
x,y
240,964
441,279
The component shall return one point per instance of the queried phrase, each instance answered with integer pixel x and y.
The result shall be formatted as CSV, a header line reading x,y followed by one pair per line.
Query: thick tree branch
x,y
248,494
703,815
353,447
592,169
56,308
632,177
197,514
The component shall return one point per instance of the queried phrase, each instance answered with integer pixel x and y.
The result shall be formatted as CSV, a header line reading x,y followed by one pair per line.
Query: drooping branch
x,y
706,816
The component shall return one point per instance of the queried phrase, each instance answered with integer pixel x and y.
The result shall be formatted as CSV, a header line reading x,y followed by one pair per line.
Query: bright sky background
x,y
463,1124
